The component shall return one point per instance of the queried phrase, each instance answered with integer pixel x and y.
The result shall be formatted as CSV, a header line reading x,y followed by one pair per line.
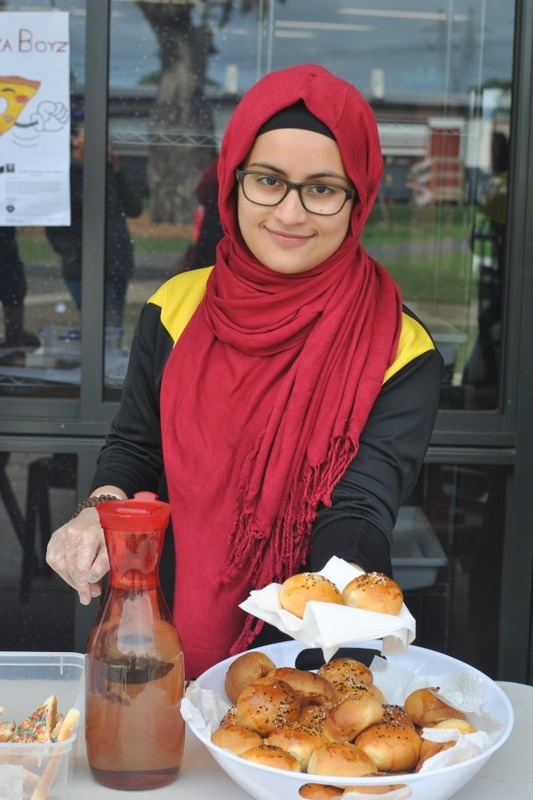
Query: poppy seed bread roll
x,y
297,739
425,707
270,756
350,717
299,589
341,759
396,714
338,669
267,704
374,591
236,738
393,748
313,689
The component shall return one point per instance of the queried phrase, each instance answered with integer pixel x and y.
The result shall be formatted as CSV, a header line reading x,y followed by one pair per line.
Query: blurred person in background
x,y
122,201
13,290
207,224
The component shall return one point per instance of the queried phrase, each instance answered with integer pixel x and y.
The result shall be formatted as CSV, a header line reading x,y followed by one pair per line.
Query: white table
x,y
508,774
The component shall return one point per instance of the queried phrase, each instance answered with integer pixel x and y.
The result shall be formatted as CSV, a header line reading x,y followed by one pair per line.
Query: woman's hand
x,y
77,552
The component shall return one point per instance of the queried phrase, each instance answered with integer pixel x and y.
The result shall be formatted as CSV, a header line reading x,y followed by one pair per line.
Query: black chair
x,y
51,472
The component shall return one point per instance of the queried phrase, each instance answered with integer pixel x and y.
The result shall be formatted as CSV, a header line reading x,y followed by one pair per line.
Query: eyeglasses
x,y
325,199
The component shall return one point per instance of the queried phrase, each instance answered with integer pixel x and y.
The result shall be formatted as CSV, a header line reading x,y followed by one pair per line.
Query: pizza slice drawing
x,y
15,93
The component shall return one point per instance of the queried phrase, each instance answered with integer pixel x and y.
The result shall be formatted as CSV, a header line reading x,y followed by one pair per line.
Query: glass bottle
x,y
134,664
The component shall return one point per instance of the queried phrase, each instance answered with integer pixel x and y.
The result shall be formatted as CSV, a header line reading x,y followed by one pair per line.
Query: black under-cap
x,y
295,116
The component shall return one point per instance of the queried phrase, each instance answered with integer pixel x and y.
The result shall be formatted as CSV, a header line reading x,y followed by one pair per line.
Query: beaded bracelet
x,y
91,502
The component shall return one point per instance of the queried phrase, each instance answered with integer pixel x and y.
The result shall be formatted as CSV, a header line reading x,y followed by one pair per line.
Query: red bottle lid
x,y
142,513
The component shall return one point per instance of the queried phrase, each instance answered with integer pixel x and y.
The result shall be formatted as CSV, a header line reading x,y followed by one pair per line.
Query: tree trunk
x,y
179,111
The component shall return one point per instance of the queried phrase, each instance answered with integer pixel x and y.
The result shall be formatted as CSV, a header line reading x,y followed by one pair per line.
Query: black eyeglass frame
x,y
349,193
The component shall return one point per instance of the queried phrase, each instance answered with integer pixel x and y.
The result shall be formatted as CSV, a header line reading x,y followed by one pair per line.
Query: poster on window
x,y
34,118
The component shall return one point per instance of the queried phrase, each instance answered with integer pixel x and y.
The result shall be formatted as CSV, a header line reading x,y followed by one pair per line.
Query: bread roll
x,y
338,669
350,717
461,725
393,748
314,716
270,756
319,791
379,788
267,704
341,759
313,689
374,591
350,678
236,738
298,590
429,749
230,716
425,707
247,668
297,739
397,714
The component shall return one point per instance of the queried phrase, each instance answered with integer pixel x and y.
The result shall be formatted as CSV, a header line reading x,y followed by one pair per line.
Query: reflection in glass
x,y
438,76
438,80
123,201
37,495
448,548
481,375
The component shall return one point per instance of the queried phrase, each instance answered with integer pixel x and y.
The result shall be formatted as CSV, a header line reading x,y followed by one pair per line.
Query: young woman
x,y
284,395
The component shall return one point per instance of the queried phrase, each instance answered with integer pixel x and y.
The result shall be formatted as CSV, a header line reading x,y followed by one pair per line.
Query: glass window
x,y
40,349
447,555
438,76
37,493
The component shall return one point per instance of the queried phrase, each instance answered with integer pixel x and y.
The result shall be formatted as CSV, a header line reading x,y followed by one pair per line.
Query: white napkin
x,y
329,625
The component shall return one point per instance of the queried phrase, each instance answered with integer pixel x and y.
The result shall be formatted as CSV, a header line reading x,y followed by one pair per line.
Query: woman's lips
x,y
288,239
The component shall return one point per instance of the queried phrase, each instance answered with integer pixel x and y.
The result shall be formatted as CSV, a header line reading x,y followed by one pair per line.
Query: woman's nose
x,y
291,209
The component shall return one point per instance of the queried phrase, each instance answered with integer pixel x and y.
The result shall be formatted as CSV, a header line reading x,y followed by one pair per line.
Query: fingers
x,y
77,553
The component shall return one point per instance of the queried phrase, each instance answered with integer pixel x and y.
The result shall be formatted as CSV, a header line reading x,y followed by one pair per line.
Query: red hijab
x,y
267,390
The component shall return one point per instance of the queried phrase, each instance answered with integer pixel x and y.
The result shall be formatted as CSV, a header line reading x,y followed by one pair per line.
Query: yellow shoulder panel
x,y
414,341
179,297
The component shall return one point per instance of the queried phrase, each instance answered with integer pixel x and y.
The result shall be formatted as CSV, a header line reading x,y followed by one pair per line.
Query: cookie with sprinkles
x,y
39,725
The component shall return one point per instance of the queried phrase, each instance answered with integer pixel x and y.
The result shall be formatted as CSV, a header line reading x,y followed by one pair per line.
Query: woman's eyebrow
x,y
311,177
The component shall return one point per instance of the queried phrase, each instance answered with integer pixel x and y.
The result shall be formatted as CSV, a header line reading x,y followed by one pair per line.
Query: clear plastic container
x,y
26,680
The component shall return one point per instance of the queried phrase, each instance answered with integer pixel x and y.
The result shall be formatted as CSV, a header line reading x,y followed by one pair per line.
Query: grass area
x,y
425,273
34,247
399,223
147,245
446,282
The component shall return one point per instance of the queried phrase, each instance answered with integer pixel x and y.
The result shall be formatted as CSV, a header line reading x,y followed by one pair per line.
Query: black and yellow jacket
x,y
393,443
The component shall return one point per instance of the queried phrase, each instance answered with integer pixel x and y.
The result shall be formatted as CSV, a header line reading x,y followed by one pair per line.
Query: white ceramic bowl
x,y
267,783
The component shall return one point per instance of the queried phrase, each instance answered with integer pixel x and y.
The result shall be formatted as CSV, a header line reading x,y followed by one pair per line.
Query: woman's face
x,y
286,238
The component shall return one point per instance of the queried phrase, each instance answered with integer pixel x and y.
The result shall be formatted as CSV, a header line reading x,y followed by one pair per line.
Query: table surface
x,y
508,774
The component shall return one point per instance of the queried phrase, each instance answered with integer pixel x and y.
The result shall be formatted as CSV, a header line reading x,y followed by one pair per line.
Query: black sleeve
x,y
131,458
358,525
